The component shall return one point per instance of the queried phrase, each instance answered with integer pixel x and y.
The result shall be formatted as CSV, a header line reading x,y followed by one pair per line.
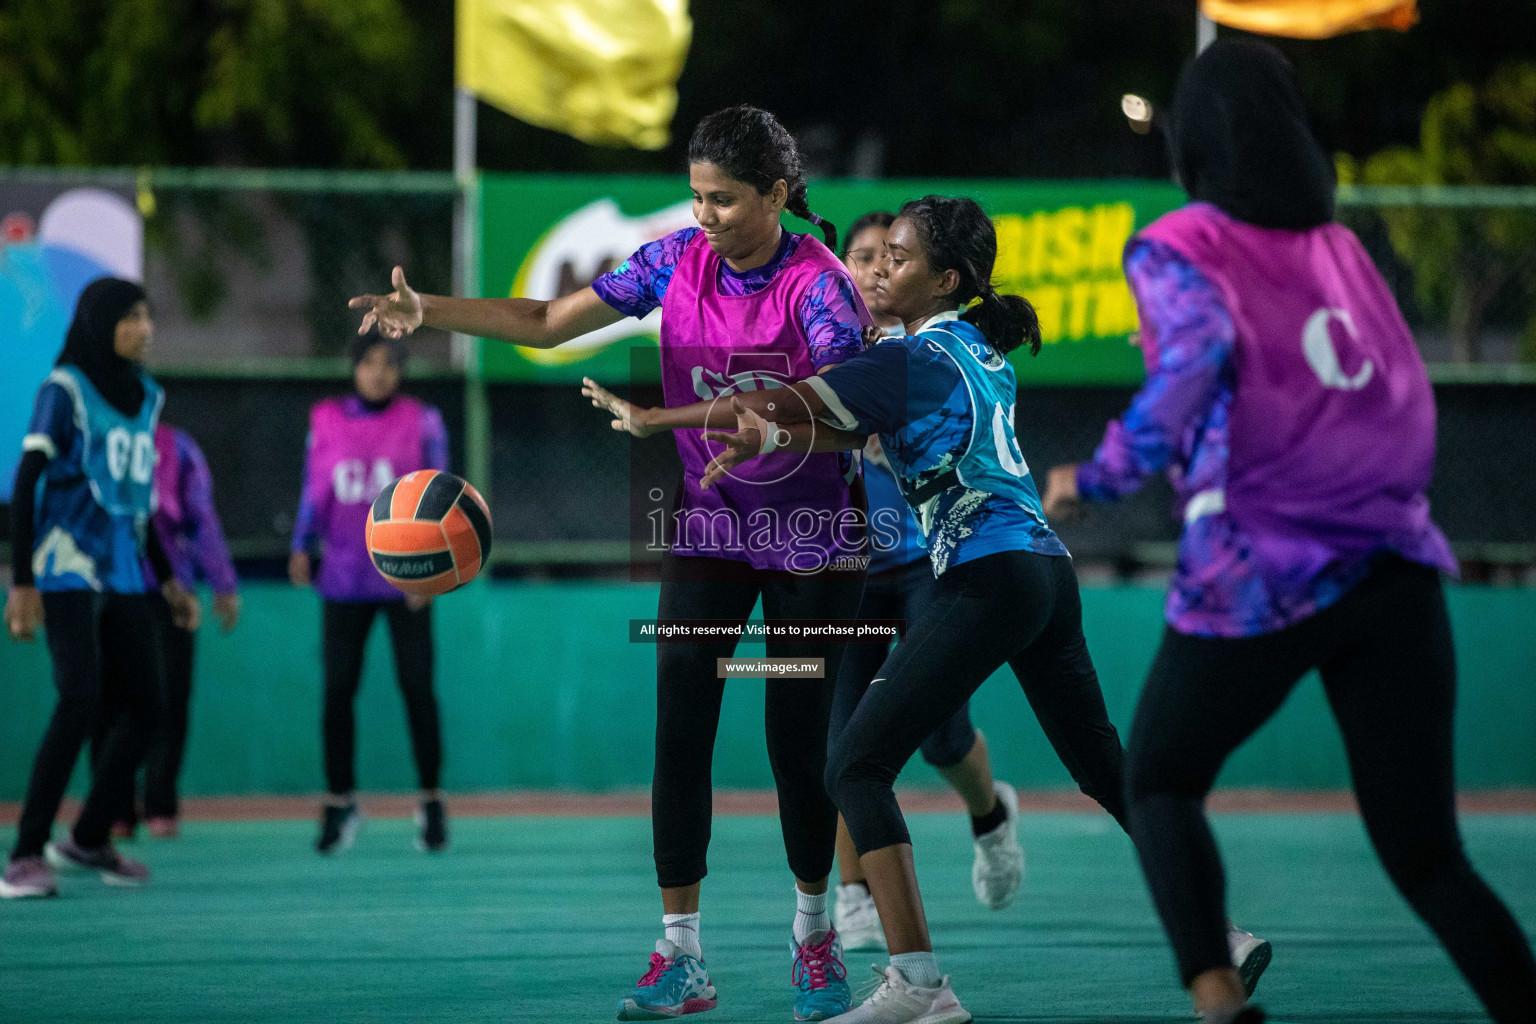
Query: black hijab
x,y
89,343
1240,140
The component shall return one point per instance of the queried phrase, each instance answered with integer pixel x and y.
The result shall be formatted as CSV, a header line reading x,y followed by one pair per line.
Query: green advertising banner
x,y
1059,245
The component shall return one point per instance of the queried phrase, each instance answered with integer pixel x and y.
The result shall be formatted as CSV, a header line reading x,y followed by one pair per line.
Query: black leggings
x,y
162,759
346,626
1386,658
900,593
106,665
688,696
1014,607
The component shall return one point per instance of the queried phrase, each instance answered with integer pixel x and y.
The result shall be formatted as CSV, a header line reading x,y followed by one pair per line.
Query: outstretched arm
x,y
534,323
1187,340
798,403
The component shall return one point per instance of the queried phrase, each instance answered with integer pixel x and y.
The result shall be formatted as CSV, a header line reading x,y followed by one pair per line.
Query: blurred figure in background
x,y
358,445
80,532
1288,401
188,529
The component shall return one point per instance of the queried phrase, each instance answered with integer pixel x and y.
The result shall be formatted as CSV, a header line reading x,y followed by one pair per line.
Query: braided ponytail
x,y
958,235
798,206
753,147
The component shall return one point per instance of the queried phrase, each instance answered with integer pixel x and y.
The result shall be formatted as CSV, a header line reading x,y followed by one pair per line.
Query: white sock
x,y
921,969
682,930
810,915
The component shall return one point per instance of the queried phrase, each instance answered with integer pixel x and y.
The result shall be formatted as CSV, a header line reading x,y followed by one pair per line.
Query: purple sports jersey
x,y
1271,408
185,519
722,333
353,455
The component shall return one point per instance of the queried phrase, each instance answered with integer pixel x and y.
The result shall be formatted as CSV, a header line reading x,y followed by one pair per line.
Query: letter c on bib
x,y
1324,358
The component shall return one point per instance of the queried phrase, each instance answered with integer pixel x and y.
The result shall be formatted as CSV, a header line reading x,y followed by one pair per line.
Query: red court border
x,y
748,802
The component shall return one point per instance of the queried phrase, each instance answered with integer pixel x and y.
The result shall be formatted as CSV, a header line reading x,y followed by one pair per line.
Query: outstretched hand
x,y
627,416
396,314
744,443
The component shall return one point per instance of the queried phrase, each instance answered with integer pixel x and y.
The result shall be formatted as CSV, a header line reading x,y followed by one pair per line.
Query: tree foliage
x,y
263,82
1467,262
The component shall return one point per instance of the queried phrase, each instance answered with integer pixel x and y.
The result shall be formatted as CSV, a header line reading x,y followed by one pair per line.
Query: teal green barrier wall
x,y
540,688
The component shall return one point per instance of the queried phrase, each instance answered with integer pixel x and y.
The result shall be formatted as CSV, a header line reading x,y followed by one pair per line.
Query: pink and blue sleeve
x,y
637,286
1187,339
834,318
209,549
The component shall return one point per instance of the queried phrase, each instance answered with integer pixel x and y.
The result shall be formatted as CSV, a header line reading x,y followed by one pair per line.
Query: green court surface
x,y
547,919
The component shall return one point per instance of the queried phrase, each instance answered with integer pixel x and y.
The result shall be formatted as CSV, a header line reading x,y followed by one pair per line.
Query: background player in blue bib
x,y
84,494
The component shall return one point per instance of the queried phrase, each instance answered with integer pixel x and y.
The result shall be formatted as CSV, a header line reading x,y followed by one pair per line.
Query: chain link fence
x,y
249,274
1461,264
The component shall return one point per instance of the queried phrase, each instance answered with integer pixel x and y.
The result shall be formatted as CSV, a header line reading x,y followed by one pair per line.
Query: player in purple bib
x,y
187,526
358,445
1287,399
745,305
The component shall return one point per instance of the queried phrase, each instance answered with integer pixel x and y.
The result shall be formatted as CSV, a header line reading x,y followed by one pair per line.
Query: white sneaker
x,y
856,919
898,1001
1250,955
998,871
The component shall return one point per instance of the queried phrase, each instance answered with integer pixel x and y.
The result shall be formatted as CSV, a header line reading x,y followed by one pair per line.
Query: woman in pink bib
x,y
358,445
1288,400
745,305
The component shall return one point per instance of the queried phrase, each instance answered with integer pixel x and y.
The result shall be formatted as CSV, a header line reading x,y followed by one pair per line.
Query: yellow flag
x,y
604,71
1311,19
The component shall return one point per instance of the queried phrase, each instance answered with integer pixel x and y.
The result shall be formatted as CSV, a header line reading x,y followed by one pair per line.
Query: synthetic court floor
x,y
548,919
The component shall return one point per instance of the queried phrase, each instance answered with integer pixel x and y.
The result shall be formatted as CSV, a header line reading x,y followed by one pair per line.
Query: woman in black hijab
x,y
1307,542
84,493
1240,139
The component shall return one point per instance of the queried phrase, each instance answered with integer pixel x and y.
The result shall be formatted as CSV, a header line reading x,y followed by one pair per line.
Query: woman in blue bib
x,y
79,523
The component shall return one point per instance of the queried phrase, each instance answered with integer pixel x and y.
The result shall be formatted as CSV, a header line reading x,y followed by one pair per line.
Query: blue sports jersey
x,y
96,496
942,401
895,537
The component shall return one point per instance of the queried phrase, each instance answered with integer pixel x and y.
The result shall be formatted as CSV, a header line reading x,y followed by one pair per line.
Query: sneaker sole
x,y
1254,965
958,1015
631,1010
59,862
26,892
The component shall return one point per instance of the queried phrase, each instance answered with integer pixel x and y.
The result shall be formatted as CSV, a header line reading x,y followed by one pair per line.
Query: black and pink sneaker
x,y
28,878
114,868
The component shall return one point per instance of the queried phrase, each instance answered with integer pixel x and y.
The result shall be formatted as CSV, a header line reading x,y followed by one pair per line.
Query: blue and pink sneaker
x,y
819,977
675,984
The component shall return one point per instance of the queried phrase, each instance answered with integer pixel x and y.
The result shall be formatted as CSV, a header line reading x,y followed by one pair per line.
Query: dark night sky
x,y
994,88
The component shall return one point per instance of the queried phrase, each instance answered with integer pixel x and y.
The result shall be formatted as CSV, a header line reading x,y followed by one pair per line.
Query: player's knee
x,y
1155,769
948,746
849,777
